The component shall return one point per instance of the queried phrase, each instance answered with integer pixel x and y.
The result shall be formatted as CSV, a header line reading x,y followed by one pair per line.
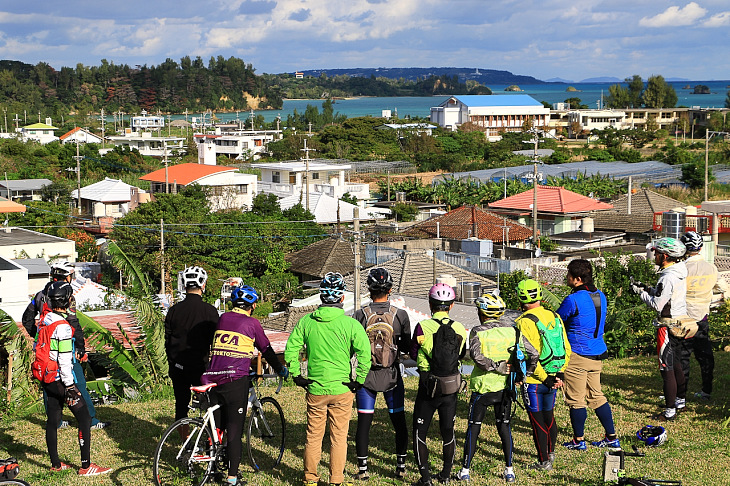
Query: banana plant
x,y
25,392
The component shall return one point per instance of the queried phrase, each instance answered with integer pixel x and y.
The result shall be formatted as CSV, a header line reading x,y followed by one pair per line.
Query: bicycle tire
x,y
266,435
174,462
13,482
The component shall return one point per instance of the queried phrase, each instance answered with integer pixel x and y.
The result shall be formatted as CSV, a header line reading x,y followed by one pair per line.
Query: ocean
x,y
589,93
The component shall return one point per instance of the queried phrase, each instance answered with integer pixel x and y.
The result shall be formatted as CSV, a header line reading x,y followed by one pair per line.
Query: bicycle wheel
x,y
265,435
187,461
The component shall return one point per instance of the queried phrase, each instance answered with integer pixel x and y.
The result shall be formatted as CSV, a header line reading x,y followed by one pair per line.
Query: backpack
x,y
379,328
44,368
9,468
446,350
552,354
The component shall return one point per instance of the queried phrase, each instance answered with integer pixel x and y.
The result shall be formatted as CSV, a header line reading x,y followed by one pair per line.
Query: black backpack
x,y
446,350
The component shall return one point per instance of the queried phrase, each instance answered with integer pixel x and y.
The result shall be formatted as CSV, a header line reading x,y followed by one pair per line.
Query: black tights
x,y
362,436
544,432
233,398
673,379
56,400
477,410
423,411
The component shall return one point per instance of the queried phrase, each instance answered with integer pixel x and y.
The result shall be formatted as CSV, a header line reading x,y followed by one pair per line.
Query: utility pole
x,y
102,127
709,134
167,183
356,227
5,114
162,255
306,151
78,176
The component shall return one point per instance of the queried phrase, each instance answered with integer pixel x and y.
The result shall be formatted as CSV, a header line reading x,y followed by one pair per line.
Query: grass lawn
x,y
697,451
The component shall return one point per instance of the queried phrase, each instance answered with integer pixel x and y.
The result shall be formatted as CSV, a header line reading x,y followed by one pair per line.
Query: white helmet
x,y
194,277
62,269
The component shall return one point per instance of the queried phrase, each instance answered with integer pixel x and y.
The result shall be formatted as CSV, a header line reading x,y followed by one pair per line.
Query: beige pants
x,y
583,382
335,411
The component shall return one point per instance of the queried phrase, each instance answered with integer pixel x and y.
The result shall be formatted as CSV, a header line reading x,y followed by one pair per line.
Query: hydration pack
x,y
44,368
552,354
379,328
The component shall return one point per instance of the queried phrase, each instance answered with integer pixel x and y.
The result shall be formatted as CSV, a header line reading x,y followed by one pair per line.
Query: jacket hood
x,y
327,313
678,270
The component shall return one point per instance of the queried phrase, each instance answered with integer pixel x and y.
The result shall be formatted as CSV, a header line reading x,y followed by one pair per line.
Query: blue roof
x,y
498,100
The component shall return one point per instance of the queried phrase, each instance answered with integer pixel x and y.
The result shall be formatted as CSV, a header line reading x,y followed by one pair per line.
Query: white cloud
x,y
721,19
675,16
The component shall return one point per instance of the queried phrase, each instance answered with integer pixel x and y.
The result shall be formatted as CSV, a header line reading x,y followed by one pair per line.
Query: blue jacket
x,y
578,312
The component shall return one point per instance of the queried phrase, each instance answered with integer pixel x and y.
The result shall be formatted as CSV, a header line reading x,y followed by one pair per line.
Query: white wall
x,y
14,292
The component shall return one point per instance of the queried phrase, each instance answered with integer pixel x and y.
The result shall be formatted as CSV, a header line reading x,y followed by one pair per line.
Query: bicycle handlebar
x,y
254,376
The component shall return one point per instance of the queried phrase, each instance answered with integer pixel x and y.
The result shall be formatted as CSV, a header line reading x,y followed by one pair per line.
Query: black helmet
x,y
332,288
59,294
379,280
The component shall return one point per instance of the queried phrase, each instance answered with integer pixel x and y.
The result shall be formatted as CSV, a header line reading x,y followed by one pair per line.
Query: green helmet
x,y
529,291
670,246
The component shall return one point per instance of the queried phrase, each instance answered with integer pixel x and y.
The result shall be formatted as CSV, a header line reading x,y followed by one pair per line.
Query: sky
x,y
572,40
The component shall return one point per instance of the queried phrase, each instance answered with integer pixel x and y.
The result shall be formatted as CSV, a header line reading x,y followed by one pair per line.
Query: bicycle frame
x,y
208,419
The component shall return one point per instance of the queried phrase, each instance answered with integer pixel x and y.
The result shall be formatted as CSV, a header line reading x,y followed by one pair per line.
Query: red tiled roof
x,y
68,134
551,199
184,174
459,224
128,323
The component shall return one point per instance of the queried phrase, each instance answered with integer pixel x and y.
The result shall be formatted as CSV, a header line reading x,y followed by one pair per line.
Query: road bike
x,y
191,451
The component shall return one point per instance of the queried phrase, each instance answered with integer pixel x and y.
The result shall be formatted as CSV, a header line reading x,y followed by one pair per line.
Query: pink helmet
x,y
442,293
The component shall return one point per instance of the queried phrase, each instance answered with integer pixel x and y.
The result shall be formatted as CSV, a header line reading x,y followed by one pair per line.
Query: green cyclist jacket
x,y
329,339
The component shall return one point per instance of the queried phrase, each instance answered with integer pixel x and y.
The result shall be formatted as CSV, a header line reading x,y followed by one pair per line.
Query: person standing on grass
x,y
437,346
492,346
584,315
329,339
702,280
236,337
544,329
189,329
63,271
668,298
63,390
389,330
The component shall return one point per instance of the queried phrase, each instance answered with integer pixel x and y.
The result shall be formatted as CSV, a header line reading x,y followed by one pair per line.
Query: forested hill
x,y
482,76
171,87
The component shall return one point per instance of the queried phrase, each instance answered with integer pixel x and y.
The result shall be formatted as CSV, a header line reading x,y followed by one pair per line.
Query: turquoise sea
x,y
589,93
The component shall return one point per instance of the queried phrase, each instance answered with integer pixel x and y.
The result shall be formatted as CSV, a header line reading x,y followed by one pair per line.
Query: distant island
x,y
484,76
701,89
572,89
513,87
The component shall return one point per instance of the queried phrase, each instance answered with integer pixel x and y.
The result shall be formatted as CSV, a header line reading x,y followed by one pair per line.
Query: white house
x,y
227,187
146,144
23,243
408,128
492,113
38,273
327,209
80,135
289,178
110,197
145,122
42,133
13,288
237,144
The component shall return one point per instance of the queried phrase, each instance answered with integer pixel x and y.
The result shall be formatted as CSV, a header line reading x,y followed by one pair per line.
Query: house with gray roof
x,y
110,197
23,189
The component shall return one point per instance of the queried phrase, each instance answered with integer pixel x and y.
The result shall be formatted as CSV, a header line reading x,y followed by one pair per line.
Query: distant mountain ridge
x,y
483,76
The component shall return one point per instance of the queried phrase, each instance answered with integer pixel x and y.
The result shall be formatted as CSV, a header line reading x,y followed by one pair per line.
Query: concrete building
x,y
595,120
148,145
227,187
234,144
13,288
80,135
18,243
42,133
494,114
289,178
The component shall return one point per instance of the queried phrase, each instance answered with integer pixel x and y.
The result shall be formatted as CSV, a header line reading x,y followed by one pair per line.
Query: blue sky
x,y
546,39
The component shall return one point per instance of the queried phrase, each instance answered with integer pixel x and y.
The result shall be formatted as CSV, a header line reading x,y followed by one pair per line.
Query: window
x,y
243,188
315,175
276,177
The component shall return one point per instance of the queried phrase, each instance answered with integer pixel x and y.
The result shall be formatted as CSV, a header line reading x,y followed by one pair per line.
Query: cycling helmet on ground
x,y
441,293
491,306
379,280
332,288
652,435
243,295
194,277
670,246
59,294
692,241
529,291
62,269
